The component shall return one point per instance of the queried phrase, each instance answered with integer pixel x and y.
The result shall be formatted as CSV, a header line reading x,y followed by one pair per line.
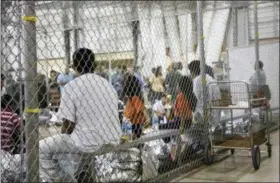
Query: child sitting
x,y
159,111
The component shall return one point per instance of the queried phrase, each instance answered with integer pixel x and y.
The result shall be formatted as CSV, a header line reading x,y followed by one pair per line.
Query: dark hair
x,y
154,70
209,71
53,71
131,86
6,101
158,71
84,60
180,65
194,67
260,64
123,68
186,87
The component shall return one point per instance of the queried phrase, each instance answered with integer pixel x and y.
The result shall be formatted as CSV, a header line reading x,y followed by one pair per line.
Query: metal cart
x,y
239,96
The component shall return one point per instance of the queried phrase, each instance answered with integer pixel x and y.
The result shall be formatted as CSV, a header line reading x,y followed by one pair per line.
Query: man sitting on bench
x,y
89,111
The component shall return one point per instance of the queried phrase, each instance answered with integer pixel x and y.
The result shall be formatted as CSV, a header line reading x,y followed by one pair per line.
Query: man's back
x,y
262,78
92,104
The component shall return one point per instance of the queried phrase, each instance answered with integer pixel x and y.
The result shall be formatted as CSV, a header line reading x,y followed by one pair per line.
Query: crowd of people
x,y
89,108
176,90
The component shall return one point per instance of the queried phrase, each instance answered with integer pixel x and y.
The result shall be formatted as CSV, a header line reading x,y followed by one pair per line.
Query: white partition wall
x,y
242,60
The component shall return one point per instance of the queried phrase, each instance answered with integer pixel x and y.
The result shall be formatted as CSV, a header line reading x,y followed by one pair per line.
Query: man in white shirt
x,y
212,92
89,111
262,75
159,111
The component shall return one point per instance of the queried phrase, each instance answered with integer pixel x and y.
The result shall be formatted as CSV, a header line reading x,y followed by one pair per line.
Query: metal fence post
x,y
235,26
76,18
256,28
135,33
30,62
201,50
66,33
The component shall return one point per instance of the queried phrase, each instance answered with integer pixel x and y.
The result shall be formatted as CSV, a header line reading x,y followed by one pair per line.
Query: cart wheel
x,y
232,151
269,150
256,157
208,157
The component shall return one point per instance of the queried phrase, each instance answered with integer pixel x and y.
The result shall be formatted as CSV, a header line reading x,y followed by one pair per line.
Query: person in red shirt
x,y
185,103
134,108
10,124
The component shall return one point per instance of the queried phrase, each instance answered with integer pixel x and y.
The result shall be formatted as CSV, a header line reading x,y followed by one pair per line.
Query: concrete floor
x,y
238,168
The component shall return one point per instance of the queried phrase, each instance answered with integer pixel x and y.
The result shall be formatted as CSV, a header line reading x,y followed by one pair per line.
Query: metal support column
x,y
200,41
66,34
194,31
276,19
21,99
30,61
135,33
235,27
256,29
76,18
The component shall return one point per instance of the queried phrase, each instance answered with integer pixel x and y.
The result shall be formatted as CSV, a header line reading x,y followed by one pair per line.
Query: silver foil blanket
x,y
122,166
150,157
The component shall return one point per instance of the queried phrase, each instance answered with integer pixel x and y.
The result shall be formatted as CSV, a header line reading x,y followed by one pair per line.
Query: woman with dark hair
x,y
134,109
157,84
185,102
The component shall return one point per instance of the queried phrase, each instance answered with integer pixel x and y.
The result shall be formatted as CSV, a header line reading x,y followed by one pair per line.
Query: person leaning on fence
x,y
89,111
134,109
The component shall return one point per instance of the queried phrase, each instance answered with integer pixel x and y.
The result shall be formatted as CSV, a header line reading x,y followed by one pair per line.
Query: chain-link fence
x,y
144,114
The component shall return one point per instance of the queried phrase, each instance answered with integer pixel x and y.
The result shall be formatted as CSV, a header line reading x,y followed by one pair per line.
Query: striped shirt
x,y
9,123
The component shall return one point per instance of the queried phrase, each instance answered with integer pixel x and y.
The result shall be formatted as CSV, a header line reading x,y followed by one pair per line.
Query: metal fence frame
x,y
31,110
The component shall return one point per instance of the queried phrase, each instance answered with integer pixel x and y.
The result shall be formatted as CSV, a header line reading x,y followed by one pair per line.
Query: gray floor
x,y
238,168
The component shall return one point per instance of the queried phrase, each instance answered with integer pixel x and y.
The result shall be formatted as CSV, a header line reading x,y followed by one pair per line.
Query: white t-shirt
x,y
92,104
262,78
213,93
159,107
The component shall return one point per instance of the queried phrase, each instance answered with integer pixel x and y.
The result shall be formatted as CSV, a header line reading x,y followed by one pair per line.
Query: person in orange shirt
x,y
134,108
185,103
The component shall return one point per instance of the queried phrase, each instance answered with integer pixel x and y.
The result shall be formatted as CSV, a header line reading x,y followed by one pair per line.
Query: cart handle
x,y
257,99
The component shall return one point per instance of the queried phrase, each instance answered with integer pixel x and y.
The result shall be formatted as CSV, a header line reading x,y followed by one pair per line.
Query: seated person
x,y
159,111
89,111
134,110
10,125
185,105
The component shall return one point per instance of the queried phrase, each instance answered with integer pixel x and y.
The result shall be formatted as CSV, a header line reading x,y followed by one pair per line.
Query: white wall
x,y
241,61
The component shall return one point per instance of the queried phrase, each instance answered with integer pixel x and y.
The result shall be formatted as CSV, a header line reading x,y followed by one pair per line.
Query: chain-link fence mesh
x,y
144,114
